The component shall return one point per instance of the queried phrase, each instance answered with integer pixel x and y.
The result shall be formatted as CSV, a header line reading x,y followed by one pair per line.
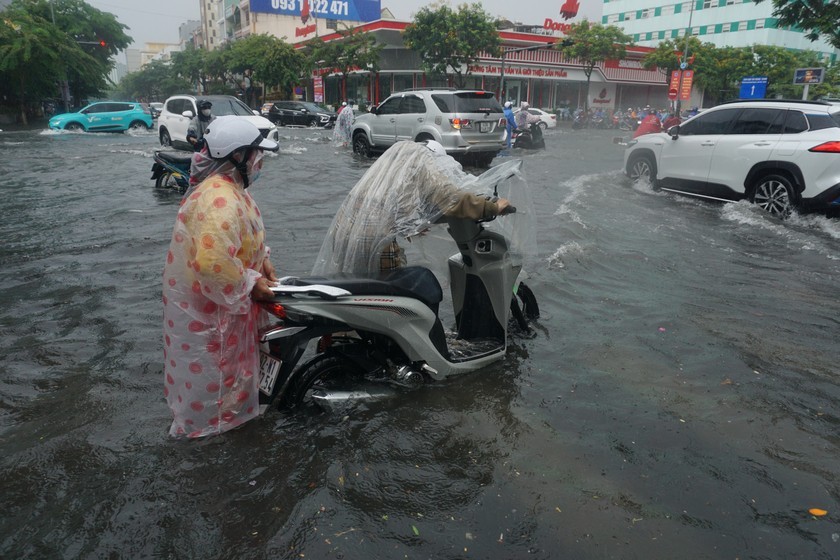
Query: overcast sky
x,y
158,20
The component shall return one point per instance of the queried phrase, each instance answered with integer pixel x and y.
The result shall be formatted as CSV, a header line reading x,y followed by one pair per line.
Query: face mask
x,y
255,166
205,112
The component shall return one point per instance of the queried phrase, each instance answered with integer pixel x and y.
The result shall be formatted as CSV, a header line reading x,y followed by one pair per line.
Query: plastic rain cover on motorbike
x,y
403,194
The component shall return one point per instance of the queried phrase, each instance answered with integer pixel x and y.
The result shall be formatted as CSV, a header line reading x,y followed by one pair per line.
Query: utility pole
x,y
684,63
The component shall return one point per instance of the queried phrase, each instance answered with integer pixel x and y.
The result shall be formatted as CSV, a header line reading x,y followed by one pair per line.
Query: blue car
x,y
105,116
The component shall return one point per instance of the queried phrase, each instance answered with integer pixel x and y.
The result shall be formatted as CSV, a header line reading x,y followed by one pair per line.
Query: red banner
x,y
685,89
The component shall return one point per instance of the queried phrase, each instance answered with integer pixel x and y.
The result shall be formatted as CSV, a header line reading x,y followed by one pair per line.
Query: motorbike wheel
x,y
323,373
167,180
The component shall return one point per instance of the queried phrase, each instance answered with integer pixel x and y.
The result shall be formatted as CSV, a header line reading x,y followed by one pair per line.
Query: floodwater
x,y
678,401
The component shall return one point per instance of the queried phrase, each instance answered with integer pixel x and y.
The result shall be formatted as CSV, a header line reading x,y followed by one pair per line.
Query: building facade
x,y
724,23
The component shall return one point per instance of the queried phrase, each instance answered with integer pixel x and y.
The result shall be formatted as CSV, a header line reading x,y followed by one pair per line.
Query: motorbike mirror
x,y
188,114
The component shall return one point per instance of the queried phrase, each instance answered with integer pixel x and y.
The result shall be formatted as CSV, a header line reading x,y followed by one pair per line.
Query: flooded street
x,y
680,398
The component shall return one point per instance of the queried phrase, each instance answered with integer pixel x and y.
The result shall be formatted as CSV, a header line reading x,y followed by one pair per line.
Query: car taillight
x,y
274,308
832,147
458,124
502,122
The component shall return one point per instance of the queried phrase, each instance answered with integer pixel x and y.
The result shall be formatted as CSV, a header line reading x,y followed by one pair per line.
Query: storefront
x,y
543,77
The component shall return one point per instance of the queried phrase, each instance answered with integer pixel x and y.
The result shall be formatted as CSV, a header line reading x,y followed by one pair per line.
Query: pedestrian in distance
x,y
343,125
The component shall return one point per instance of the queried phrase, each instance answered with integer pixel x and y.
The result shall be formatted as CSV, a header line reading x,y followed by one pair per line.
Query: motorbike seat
x,y
175,157
415,282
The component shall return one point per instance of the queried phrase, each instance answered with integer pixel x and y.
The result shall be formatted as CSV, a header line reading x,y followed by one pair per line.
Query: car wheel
x,y
642,167
138,125
165,139
361,145
73,126
774,194
313,123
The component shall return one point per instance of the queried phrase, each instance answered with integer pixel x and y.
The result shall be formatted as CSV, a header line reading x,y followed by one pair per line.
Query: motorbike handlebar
x,y
509,210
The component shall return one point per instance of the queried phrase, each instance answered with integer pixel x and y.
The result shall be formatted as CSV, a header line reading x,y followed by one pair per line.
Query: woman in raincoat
x,y
343,125
217,265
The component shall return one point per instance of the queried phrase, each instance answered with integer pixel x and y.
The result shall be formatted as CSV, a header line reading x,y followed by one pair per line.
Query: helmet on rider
x,y
204,104
436,147
524,105
240,142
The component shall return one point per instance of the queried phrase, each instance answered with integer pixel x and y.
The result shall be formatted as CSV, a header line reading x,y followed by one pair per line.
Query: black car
x,y
300,113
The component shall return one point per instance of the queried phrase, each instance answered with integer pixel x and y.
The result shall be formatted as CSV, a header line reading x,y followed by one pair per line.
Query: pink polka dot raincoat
x,y
209,320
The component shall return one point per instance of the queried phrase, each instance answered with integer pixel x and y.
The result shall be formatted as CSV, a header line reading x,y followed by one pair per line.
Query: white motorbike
x,y
365,337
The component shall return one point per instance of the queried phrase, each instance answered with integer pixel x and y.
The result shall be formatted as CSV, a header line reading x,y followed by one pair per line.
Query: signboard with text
x,y
347,10
318,89
673,88
753,87
685,87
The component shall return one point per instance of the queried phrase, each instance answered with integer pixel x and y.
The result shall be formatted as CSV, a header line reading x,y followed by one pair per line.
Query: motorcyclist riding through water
x,y
198,124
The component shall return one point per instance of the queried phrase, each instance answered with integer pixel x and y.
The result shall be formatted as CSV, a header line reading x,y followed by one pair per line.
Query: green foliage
x,y
191,65
154,82
816,17
273,61
592,43
354,50
447,40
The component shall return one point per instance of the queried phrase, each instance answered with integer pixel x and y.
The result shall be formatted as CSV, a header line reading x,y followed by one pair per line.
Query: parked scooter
x,y
171,169
530,139
376,336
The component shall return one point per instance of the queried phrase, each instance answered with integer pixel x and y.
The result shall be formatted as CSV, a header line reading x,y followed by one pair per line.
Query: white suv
x,y
174,119
781,155
470,124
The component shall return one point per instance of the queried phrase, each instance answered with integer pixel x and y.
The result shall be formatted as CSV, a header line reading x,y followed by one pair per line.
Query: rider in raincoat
x,y
217,265
410,187
343,125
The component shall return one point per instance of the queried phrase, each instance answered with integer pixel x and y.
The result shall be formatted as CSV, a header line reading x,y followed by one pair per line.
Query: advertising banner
x,y
347,10
685,90
318,89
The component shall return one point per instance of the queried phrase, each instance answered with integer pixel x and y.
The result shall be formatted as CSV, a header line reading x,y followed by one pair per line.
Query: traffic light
x,y
102,43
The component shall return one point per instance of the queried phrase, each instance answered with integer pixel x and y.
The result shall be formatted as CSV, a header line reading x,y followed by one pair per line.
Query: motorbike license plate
x,y
485,126
269,368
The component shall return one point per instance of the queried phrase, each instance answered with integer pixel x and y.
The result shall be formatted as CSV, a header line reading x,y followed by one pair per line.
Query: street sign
x,y
753,87
806,76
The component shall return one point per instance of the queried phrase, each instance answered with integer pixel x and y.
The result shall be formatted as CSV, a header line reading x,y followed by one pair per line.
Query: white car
x,y
780,155
179,110
547,120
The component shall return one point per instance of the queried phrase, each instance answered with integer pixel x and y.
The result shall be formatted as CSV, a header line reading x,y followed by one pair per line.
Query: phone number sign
x,y
350,10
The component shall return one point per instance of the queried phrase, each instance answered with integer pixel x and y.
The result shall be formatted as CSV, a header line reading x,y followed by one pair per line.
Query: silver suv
x,y
780,154
470,124
174,119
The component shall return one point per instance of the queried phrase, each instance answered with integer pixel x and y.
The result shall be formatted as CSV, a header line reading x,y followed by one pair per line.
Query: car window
x,y
175,106
95,108
836,118
313,108
795,122
476,102
444,102
713,122
230,106
390,106
818,121
758,121
412,104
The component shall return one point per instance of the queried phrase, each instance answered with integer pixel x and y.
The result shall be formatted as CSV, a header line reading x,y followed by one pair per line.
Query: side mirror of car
x,y
374,110
189,114
674,131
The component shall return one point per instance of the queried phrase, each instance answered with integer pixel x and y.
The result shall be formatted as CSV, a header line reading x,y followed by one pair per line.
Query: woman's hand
x,y
268,271
262,291
502,204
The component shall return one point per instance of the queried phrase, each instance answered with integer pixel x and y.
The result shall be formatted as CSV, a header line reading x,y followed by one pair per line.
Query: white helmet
x,y
229,133
436,147
525,105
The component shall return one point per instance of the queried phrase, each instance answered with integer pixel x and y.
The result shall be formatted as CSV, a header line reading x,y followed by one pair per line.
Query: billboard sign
x,y
345,10
753,87
805,76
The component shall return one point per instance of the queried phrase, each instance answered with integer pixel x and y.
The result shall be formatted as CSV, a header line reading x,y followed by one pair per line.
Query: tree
x,y
157,80
191,64
593,43
718,71
33,53
446,39
274,62
778,64
88,28
816,17
354,50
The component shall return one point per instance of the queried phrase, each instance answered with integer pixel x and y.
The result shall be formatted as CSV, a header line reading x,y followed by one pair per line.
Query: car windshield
x,y
229,106
311,107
